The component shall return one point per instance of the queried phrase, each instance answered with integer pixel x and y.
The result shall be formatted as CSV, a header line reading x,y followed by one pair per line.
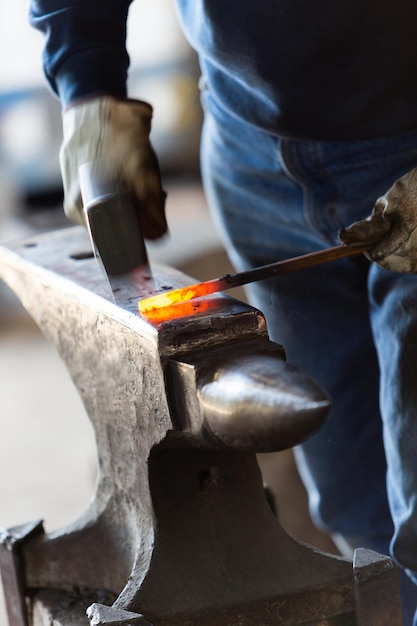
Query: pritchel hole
x,y
82,256
30,245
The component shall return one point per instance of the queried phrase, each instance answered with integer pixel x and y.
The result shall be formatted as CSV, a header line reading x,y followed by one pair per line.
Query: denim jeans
x,y
349,323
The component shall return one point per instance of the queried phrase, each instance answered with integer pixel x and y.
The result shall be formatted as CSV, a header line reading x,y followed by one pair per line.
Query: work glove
x,y
391,230
115,135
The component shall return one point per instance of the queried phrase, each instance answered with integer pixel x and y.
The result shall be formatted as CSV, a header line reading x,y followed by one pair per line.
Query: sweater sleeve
x,y
85,46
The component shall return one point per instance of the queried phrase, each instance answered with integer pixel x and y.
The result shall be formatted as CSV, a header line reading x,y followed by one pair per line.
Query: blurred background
x,y
47,450
163,71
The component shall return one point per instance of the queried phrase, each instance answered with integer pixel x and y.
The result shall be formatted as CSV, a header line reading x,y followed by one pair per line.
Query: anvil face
x,y
66,260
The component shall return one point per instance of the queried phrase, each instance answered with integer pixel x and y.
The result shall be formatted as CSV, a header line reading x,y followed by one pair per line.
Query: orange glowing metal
x,y
180,310
172,299
177,296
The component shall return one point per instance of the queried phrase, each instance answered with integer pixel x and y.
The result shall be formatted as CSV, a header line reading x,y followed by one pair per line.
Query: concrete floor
x,y
47,450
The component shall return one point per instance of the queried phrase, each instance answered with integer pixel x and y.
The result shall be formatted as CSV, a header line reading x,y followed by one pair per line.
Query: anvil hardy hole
x,y
30,245
82,256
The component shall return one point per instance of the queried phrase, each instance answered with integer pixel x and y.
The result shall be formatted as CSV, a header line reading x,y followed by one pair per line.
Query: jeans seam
x,y
289,156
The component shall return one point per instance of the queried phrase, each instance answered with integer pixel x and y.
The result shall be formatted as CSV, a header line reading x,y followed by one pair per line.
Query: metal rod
x,y
228,281
291,265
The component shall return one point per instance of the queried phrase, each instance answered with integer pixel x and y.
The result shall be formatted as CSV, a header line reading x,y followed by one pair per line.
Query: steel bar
x,y
229,281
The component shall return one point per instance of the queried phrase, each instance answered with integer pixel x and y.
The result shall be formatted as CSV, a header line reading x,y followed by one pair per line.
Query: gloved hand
x,y
114,133
391,230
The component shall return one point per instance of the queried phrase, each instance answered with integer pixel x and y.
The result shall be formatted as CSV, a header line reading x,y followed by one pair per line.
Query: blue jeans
x,y
350,324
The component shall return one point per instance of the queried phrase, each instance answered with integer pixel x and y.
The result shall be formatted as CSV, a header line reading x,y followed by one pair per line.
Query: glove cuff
x,y
96,99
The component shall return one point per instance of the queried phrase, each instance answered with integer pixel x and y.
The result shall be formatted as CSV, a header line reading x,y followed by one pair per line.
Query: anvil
x,y
179,531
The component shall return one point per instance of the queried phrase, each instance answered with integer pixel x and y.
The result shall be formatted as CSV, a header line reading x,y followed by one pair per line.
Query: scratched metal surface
x,y
64,258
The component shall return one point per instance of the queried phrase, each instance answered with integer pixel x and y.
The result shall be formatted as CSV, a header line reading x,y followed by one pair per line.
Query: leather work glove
x,y
391,230
115,134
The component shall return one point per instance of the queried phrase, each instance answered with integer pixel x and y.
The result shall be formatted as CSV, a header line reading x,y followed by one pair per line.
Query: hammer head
x,y
114,226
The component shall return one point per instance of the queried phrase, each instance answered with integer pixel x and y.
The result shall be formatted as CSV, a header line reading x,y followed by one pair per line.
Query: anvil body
x,y
179,530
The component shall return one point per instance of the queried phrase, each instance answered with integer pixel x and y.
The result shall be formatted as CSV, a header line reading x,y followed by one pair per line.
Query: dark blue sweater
x,y
310,69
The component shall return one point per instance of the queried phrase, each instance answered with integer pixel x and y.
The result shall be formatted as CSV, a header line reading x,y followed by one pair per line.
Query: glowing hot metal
x,y
148,306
